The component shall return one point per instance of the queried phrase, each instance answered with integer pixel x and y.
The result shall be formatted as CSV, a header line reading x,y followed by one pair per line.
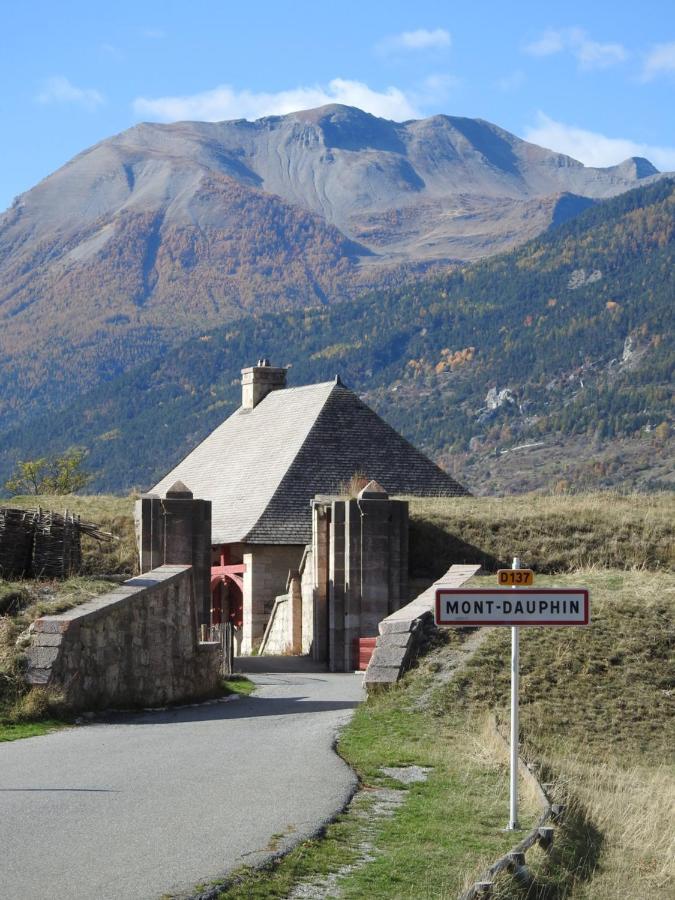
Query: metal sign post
x,y
515,659
553,607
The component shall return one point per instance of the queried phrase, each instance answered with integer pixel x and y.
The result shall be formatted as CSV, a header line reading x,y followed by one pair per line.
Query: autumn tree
x,y
63,474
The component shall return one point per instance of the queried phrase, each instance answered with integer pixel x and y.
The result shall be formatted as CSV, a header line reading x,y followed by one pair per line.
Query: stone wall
x,y
136,646
406,633
267,569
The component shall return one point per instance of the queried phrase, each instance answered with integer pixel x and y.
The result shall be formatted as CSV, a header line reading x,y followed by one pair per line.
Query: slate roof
x,y
262,466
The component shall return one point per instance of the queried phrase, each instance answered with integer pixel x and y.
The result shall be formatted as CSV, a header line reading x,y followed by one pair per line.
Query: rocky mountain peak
x,y
636,167
164,229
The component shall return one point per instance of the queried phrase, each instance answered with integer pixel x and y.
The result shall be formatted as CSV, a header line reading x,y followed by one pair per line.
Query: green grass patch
x,y
238,684
17,730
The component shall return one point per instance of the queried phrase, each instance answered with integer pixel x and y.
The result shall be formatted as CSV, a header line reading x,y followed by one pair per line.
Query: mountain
x,y
547,366
163,231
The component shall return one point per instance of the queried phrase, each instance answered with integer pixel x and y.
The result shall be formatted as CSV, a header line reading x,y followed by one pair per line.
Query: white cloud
x,y
224,102
435,88
58,89
549,43
112,52
660,61
592,148
421,39
588,53
511,82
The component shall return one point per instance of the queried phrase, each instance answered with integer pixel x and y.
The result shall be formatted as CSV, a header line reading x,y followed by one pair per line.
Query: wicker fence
x,y
38,543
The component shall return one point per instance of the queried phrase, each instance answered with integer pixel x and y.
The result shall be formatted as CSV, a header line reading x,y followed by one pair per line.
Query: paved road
x,y
149,804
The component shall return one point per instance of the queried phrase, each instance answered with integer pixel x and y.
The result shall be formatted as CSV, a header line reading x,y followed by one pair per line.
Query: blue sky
x,y
593,79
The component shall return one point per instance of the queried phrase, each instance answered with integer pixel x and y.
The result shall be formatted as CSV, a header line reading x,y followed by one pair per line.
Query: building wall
x,y
318,638
136,646
338,585
277,638
309,594
266,576
290,627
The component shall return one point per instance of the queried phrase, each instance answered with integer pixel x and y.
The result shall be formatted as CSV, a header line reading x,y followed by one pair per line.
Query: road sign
x,y
515,577
514,606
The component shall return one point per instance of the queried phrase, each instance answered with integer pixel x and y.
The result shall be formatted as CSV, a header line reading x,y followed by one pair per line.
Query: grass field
x,y
447,828
598,710
550,533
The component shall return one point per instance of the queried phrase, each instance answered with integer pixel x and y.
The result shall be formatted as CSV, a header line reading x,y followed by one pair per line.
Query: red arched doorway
x,y
227,591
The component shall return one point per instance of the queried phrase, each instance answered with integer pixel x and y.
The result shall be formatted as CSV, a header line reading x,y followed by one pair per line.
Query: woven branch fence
x,y
38,543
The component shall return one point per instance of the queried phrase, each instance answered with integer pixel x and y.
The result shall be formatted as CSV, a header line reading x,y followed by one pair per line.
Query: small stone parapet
x,y
407,632
136,646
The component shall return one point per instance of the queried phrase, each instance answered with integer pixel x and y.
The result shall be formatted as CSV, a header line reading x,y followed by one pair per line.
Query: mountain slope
x,y
159,232
565,343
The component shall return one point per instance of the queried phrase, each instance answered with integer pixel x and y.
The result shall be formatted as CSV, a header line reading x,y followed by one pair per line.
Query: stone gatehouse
x,y
261,469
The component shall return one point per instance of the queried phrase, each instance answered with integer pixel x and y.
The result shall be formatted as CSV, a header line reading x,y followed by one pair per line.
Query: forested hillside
x,y
154,234
564,343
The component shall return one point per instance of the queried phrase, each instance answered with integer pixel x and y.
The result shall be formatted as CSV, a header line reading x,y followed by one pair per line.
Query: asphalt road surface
x,y
144,805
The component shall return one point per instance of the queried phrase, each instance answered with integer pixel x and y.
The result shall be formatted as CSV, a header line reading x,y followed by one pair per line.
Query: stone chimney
x,y
257,381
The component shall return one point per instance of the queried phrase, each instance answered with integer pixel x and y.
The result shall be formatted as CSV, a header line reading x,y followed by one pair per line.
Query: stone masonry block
x,y
42,657
389,656
396,626
382,675
44,639
411,625
394,639
51,625
101,657
38,677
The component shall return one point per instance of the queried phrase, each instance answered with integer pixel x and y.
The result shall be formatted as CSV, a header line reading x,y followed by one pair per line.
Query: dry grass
x,y
550,533
353,486
633,807
597,710
36,705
